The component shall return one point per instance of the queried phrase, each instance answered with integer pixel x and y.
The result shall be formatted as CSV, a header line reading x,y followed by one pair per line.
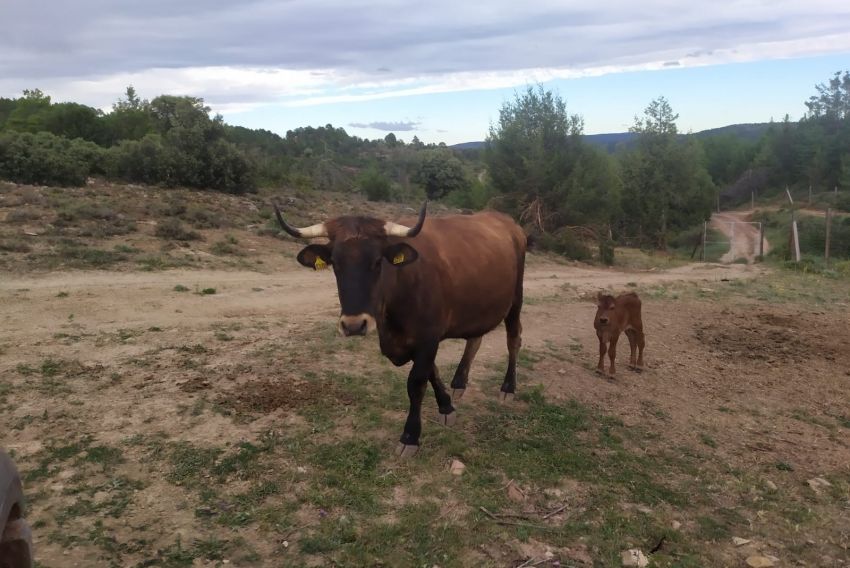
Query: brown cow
x,y
613,316
15,533
457,276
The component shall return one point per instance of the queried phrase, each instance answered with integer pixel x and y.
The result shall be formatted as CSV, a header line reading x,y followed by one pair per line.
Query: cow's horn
x,y
306,233
396,230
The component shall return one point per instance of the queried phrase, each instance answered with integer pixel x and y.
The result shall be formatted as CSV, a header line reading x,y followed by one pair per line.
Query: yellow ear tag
x,y
399,258
320,264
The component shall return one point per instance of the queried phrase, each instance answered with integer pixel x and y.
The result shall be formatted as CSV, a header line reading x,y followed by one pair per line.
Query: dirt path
x,y
35,304
743,238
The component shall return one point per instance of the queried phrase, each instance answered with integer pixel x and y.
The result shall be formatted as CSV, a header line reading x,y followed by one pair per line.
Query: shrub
x,y
564,243
375,185
173,229
46,159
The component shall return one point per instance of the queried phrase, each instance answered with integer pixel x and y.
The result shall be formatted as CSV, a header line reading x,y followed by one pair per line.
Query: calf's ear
x,y
400,254
316,257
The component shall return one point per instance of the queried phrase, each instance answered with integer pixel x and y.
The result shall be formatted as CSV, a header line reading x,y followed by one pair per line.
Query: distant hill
x,y
610,141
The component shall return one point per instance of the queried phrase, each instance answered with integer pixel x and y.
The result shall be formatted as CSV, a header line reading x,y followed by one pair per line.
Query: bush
x,y
47,159
375,185
173,229
564,243
141,161
606,251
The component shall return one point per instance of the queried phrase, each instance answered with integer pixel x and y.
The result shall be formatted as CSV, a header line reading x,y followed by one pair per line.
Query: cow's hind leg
x,y
462,372
447,416
417,382
514,332
641,343
631,334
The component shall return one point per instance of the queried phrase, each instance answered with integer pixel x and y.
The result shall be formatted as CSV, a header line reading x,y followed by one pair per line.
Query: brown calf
x,y
614,316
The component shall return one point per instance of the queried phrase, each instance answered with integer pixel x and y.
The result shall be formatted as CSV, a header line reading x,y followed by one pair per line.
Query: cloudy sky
x,y
436,69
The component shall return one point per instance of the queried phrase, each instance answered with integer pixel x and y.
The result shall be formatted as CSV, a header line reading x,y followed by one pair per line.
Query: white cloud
x,y
302,53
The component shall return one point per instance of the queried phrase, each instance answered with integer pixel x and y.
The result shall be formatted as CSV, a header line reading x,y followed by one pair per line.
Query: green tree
x,y
440,173
29,112
665,185
531,153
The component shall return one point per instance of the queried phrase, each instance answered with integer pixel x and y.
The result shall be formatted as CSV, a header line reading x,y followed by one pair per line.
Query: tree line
x,y
174,141
652,191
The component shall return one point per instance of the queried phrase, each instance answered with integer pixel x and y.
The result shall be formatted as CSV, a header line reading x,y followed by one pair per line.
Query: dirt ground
x,y
158,425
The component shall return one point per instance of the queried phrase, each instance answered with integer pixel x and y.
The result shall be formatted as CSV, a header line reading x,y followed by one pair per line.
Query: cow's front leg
x,y
417,382
603,348
447,416
612,353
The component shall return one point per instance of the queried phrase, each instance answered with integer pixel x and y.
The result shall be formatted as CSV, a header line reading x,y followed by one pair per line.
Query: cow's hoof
x,y
447,419
600,372
506,397
457,394
406,451
638,369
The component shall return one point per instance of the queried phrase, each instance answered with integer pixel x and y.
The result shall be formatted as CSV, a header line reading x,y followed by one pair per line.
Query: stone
x,y
634,557
760,562
515,494
676,525
738,541
457,467
770,485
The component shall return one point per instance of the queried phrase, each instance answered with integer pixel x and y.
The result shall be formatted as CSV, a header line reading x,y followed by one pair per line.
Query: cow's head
x,y
358,250
604,309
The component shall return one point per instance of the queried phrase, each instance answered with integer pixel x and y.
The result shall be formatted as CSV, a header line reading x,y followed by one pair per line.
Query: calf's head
x,y
604,309
358,250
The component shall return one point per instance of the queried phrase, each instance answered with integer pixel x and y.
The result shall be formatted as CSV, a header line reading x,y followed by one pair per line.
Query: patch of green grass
x,y
181,288
207,291
348,475
62,295
545,442
708,440
784,466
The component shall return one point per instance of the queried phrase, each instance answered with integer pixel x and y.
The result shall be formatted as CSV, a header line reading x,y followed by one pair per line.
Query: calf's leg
x,y
630,334
600,366
612,353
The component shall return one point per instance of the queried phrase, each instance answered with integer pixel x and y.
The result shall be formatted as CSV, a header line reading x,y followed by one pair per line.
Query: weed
x,y
181,288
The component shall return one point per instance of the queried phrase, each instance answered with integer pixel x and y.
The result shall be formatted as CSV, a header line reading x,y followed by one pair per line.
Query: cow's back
x,y
471,267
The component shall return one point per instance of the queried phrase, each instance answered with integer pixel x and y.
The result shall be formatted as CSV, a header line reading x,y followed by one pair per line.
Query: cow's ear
x,y
316,257
400,254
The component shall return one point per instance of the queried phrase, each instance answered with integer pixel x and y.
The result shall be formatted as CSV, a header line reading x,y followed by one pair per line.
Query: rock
x,y
457,467
760,561
562,371
579,554
515,493
770,485
818,483
634,557
676,525
644,509
738,541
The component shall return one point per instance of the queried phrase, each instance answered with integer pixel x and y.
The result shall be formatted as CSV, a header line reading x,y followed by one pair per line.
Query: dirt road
x,y
743,237
34,304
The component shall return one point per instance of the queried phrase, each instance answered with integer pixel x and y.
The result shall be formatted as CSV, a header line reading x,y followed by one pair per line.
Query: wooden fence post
x,y
704,231
795,235
761,241
828,226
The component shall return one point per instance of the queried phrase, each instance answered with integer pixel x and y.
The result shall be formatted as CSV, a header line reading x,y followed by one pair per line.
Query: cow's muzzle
x,y
361,324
